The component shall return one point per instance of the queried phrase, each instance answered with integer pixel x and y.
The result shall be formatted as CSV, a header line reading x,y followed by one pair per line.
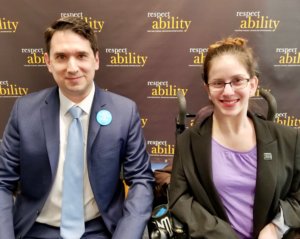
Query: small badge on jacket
x,y
104,117
267,156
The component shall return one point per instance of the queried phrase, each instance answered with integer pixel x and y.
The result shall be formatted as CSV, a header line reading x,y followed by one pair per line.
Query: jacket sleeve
x,y
139,177
183,204
9,175
291,205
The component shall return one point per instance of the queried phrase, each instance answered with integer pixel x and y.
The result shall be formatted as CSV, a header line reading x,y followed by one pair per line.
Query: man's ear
x,y
97,61
47,61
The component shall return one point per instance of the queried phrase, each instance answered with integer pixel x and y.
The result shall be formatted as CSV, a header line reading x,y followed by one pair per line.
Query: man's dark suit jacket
x,y
29,155
193,196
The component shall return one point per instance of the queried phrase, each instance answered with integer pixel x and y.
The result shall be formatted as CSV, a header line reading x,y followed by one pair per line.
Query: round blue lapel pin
x,y
104,117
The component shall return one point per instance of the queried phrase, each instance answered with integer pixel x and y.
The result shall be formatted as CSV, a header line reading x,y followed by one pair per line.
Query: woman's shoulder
x,y
276,127
199,129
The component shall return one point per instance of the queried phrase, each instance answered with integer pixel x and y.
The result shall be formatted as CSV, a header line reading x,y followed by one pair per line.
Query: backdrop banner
x,y
151,50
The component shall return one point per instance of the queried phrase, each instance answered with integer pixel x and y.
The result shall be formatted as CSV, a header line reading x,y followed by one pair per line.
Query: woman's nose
x,y
228,89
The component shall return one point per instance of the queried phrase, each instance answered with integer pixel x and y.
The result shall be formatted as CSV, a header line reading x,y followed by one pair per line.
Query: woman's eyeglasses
x,y
236,84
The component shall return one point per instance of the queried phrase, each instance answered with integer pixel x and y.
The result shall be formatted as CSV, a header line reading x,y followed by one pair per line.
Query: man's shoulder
x,y
36,98
114,98
38,94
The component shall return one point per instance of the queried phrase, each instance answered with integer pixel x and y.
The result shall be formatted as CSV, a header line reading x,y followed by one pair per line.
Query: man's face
x,y
72,63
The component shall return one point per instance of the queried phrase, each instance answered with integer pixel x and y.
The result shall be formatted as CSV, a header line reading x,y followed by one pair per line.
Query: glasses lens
x,y
239,83
216,86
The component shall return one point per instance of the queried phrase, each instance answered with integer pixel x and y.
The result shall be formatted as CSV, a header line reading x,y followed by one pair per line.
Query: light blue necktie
x,y
72,217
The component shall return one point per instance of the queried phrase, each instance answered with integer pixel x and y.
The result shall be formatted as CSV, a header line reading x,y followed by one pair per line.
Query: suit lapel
x,y
201,148
94,126
266,174
50,120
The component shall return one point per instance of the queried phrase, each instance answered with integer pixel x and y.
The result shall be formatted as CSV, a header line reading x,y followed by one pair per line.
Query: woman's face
x,y
230,99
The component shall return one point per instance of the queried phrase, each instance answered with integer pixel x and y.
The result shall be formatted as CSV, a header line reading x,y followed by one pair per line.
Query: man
x,y
35,148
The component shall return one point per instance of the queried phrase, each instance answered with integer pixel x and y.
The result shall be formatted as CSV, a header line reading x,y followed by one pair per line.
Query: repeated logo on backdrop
x,y
8,25
163,89
95,24
34,57
11,90
160,151
287,57
198,56
123,57
286,119
281,118
144,122
256,21
166,22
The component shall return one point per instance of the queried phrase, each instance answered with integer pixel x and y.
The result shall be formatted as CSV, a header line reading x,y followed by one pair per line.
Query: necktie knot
x,y
75,112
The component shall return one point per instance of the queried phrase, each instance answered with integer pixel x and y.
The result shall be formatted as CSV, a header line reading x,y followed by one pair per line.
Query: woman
x,y
235,175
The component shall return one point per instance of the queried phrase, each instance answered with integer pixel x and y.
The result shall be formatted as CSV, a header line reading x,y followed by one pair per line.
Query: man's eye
x,y
60,57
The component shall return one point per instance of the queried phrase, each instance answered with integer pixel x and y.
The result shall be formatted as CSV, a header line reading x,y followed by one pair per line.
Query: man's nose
x,y
72,66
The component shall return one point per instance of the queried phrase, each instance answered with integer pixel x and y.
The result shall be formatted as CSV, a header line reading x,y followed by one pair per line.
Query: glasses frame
x,y
210,85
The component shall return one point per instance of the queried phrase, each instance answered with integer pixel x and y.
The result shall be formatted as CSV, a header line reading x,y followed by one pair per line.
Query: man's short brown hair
x,y
76,25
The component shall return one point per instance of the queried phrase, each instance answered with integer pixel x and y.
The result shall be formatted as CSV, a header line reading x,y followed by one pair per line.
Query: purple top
x,y
234,176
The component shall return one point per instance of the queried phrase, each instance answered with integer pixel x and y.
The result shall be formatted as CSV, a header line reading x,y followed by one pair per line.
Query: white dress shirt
x,y
51,212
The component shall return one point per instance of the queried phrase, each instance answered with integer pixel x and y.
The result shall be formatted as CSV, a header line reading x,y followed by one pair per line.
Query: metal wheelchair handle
x,y
182,108
272,103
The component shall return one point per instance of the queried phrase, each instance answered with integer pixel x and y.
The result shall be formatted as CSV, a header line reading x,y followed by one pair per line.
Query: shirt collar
x,y
85,104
